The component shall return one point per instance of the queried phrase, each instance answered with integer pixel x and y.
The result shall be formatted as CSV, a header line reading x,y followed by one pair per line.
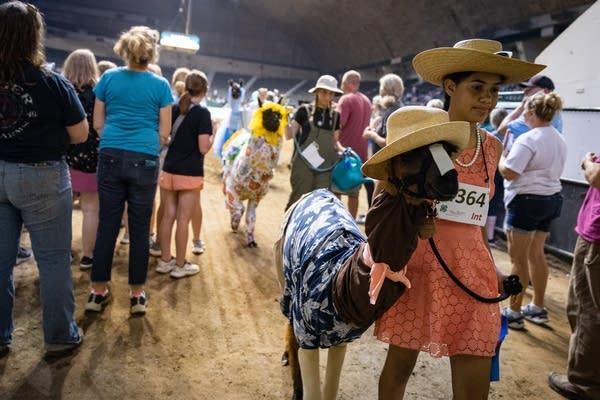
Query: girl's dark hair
x,y
196,84
21,39
457,78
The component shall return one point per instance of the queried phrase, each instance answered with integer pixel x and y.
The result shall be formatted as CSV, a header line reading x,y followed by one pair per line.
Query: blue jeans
x,y
40,197
124,176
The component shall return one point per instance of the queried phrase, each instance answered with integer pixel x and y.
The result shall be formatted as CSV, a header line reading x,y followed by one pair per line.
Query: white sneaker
x,y
186,270
198,247
154,249
535,314
164,267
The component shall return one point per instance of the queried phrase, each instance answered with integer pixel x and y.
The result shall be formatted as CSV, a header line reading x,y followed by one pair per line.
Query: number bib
x,y
470,206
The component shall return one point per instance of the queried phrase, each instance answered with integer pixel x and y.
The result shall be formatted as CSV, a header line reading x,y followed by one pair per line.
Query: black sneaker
x,y
86,262
138,304
97,301
63,349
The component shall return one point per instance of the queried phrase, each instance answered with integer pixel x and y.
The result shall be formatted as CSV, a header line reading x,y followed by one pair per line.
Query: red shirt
x,y
355,114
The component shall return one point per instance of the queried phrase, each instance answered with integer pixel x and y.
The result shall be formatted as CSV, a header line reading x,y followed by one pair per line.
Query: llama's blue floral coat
x,y
319,237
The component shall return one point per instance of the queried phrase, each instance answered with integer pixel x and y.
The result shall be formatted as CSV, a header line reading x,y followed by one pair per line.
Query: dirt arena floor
x,y
218,335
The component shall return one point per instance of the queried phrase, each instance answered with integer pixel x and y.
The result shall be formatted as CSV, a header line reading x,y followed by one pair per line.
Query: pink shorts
x,y
83,182
176,182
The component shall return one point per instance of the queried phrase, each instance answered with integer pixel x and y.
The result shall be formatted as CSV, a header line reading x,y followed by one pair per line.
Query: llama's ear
x,y
260,103
241,82
230,82
280,100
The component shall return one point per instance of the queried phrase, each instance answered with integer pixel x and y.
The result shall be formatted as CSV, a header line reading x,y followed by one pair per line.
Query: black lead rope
x,y
511,283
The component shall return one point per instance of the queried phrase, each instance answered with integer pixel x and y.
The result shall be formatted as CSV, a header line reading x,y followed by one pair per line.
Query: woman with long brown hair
x,y
41,115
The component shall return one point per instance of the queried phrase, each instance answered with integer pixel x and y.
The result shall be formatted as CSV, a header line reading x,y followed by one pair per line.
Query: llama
x,y
335,281
250,158
235,97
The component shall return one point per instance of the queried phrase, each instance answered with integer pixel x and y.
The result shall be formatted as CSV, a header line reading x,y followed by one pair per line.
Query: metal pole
x,y
188,17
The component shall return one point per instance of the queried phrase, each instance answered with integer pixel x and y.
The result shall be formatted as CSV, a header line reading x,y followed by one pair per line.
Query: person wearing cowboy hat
x,y
436,315
315,133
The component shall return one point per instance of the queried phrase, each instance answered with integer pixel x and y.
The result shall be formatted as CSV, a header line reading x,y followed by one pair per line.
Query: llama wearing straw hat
x,y
335,281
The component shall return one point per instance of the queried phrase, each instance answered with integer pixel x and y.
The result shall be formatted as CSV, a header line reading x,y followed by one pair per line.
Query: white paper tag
x,y
311,154
470,206
441,158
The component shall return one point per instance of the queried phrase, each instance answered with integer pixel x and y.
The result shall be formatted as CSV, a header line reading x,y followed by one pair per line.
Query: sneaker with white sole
x,y
138,304
535,314
514,318
198,247
186,270
155,250
23,255
96,302
125,239
86,263
163,267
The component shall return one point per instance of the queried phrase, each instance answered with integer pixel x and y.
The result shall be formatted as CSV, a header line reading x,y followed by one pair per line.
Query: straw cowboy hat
x,y
411,127
477,55
326,82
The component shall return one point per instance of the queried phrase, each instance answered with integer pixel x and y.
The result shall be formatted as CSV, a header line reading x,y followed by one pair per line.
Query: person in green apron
x,y
315,131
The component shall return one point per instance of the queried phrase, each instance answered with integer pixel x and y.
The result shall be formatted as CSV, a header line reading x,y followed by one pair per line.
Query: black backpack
x,y
84,156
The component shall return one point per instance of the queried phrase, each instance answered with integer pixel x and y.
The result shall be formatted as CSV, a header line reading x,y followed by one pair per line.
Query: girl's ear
x,y
449,86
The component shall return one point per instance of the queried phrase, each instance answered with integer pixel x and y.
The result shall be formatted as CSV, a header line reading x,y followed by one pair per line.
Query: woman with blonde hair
x,y
316,129
132,115
182,177
35,189
532,171
81,69
178,82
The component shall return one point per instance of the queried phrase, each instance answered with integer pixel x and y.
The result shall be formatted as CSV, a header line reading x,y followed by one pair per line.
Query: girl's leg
x,y
397,369
519,244
187,200
470,377
169,205
196,220
538,268
89,208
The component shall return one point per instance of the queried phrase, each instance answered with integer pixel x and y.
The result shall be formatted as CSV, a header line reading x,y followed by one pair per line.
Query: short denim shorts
x,y
532,212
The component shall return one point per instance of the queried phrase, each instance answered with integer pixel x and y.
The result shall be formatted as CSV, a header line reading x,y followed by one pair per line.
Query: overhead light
x,y
179,42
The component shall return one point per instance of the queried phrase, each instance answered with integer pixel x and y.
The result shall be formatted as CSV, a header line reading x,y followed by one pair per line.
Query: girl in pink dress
x,y
435,315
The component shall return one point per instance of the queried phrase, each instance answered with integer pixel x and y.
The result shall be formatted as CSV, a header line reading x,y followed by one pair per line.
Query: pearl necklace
x,y
477,150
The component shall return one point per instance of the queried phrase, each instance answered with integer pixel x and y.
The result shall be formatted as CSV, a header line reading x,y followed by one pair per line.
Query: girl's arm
x,y
98,116
164,124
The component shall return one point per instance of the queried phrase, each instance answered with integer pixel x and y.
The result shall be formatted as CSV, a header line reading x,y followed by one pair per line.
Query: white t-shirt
x,y
539,157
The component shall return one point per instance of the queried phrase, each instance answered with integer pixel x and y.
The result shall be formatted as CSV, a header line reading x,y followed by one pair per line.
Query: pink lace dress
x,y
435,315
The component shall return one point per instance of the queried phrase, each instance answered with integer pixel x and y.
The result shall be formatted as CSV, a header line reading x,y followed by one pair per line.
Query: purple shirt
x,y
355,112
588,220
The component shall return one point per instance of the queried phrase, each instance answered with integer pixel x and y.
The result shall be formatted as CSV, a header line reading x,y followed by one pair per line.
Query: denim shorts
x,y
532,212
